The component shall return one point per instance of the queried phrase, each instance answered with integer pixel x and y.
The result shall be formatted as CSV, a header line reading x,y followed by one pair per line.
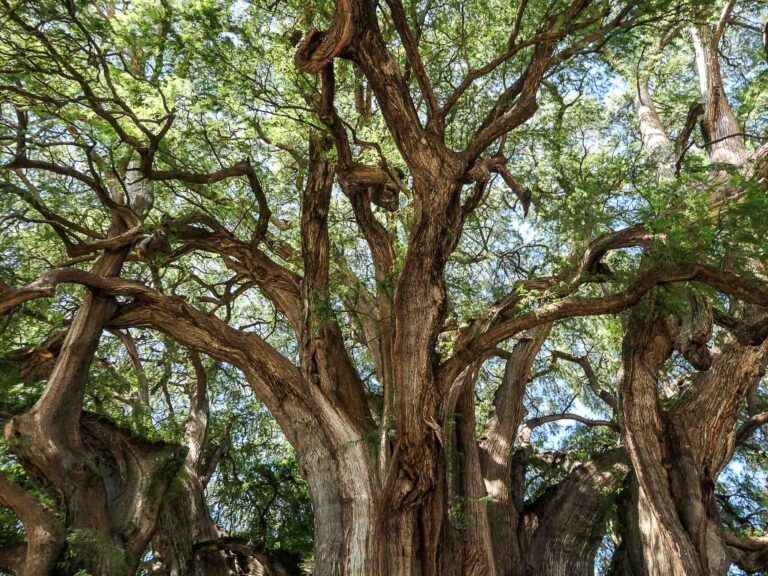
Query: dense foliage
x,y
279,255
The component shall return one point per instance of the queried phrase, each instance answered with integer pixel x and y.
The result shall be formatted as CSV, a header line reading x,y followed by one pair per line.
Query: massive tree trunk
x,y
565,526
678,453
430,498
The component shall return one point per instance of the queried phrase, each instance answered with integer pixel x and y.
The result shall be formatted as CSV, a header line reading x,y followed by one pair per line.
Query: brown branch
x,y
190,326
413,55
273,566
748,334
361,184
530,425
516,105
325,360
721,280
523,194
749,553
279,284
421,150
594,383
682,144
753,423
320,48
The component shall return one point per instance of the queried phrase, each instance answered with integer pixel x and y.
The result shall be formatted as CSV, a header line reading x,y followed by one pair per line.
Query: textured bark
x,y
251,559
656,142
722,133
646,347
672,524
497,446
565,527
54,449
45,533
408,532
327,369
184,520
466,541
670,521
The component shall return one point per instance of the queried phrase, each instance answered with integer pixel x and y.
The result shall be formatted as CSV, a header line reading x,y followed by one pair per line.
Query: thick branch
x,y
721,280
749,427
530,425
45,535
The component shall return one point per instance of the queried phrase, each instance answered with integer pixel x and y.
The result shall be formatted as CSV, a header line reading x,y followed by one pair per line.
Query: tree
x,y
366,221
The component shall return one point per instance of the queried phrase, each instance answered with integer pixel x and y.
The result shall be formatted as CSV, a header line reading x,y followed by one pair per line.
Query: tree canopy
x,y
402,288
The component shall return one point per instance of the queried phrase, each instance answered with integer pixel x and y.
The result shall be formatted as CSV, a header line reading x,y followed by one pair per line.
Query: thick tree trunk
x,y
111,484
565,527
670,521
646,347
51,429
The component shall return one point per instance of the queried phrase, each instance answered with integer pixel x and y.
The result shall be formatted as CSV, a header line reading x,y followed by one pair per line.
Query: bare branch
x,y
530,425
752,424
594,383
725,16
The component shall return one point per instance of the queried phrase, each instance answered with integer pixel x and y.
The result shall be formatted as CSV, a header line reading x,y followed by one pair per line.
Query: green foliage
x,y
224,71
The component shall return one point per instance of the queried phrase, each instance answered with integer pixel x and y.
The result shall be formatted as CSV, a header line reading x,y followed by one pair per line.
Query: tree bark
x,y
184,520
722,133
45,533
565,527
503,482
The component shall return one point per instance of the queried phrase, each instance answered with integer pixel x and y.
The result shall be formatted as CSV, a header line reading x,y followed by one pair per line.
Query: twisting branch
x,y
362,184
594,383
320,48
468,349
